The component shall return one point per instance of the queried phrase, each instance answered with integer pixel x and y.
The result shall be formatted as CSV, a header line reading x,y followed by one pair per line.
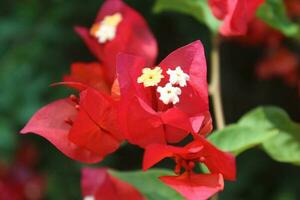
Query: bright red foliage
x,y
281,63
90,74
132,36
144,118
84,130
235,14
20,180
195,186
190,185
99,184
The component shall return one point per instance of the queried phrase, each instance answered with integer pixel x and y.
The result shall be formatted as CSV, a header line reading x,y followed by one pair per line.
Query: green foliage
x,y
149,184
283,147
198,9
270,127
274,14
8,139
271,12
238,138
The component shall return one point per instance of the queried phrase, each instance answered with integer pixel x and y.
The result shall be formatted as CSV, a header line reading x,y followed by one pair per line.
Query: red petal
x,y
133,36
218,161
75,85
191,58
90,74
219,8
98,183
240,13
90,42
95,125
206,126
129,68
179,125
141,125
49,122
281,63
195,186
155,153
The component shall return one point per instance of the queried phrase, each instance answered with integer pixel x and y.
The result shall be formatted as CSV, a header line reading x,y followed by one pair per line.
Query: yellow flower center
x,y
112,20
150,77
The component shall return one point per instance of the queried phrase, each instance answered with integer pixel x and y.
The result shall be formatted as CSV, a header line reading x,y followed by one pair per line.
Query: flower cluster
x,y
124,96
235,14
279,61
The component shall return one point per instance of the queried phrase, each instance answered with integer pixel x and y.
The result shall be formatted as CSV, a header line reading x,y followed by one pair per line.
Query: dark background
x,y
37,46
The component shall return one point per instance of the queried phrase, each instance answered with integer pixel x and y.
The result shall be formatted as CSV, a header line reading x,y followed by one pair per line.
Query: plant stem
x,y
215,84
215,88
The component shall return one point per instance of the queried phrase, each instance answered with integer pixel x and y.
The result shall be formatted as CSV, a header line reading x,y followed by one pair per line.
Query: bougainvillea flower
x,y
90,74
281,63
235,14
293,7
199,150
118,28
155,106
195,186
190,185
83,129
99,184
259,33
19,180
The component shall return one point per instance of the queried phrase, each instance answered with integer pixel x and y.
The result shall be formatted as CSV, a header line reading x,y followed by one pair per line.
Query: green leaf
x,y
149,184
285,146
273,13
237,138
198,9
269,127
7,141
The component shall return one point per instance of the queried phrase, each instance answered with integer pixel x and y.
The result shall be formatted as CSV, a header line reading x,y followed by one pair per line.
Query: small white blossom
x,y
106,33
177,76
169,94
106,29
89,198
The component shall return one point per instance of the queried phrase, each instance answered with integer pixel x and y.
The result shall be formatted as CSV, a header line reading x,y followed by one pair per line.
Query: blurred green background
x,y
37,46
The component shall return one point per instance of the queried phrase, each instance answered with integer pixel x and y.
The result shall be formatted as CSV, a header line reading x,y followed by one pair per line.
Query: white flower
x,y
169,94
106,29
89,198
106,33
177,76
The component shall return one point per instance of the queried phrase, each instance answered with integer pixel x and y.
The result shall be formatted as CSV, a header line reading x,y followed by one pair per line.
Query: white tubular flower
x,y
169,94
105,33
89,198
106,29
177,76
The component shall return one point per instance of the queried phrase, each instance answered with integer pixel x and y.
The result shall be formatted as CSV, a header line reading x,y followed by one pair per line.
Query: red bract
x,y
20,181
98,184
235,14
90,74
145,116
118,28
84,130
190,185
259,33
280,63
195,186
293,7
